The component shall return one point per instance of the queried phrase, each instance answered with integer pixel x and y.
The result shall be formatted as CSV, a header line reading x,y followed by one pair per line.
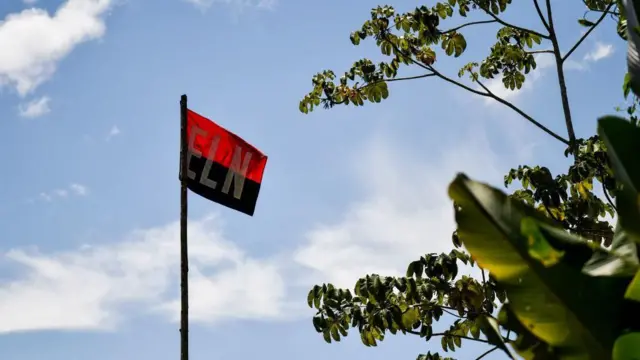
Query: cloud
x,y
115,131
406,213
78,189
33,41
90,287
35,108
543,62
237,4
600,51
73,189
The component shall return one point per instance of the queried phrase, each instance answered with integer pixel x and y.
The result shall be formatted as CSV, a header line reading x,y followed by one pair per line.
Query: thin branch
x,y
487,352
407,78
604,190
487,93
386,80
577,44
468,24
522,113
453,314
540,52
544,21
496,18
461,337
449,80
561,81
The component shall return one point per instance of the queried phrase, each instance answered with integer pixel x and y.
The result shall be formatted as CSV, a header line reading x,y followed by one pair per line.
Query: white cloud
x,y
78,189
33,41
543,62
46,197
406,213
61,193
115,131
35,108
88,288
237,4
600,51
75,189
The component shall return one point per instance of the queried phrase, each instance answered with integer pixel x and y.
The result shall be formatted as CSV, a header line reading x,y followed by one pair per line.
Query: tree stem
x,y
574,47
487,352
561,80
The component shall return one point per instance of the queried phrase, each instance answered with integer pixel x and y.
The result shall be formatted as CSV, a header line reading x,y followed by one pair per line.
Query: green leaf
x,y
410,317
585,22
310,298
489,225
490,329
621,260
633,45
633,291
334,333
622,140
626,85
627,347
539,247
326,334
526,344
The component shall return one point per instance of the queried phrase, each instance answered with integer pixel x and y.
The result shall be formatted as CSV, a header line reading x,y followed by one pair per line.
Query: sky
x,y
89,202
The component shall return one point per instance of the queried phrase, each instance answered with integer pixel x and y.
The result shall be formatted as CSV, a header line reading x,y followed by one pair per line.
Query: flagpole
x,y
184,259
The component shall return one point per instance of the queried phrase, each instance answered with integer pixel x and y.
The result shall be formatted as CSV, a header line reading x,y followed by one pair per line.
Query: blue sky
x,y
89,125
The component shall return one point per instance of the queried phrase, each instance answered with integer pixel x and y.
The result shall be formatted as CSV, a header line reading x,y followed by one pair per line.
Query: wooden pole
x,y
184,259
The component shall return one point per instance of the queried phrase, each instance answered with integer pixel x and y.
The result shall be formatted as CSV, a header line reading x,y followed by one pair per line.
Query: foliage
x,y
541,245
575,299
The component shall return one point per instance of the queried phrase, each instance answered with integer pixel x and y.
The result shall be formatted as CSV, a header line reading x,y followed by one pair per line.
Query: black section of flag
x,y
215,191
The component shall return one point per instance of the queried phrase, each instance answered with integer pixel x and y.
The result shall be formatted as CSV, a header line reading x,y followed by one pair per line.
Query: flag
x,y
221,166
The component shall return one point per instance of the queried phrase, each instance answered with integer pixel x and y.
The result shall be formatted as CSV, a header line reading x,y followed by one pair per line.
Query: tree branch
x,y
561,81
604,190
544,21
460,336
409,77
387,80
487,352
540,52
453,314
577,44
487,93
449,80
497,19
522,113
468,24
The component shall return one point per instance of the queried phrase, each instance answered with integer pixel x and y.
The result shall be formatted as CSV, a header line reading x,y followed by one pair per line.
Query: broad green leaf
x,y
633,291
623,144
621,260
526,344
490,329
539,247
489,225
627,347
631,8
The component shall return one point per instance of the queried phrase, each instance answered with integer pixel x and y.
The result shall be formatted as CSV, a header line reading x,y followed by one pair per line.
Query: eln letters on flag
x,y
221,166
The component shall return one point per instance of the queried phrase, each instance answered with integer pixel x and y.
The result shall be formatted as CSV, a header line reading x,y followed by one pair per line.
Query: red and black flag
x,y
221,166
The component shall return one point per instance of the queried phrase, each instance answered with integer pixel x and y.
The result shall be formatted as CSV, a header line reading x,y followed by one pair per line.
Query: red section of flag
x,y
202,133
